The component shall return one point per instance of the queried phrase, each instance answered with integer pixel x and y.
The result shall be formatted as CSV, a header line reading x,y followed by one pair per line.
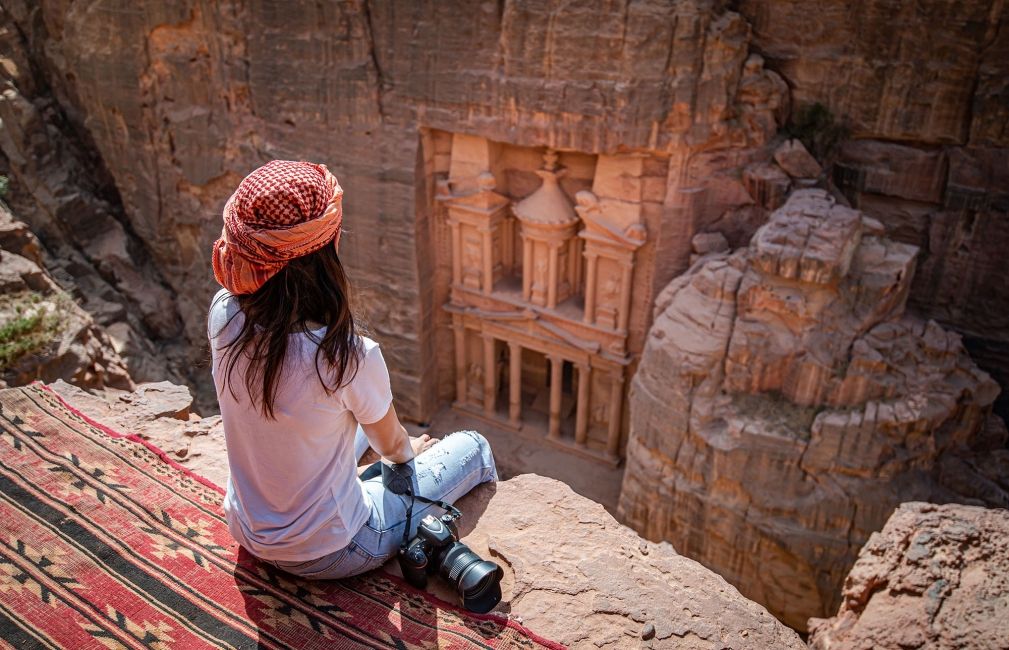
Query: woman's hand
x,y
422,444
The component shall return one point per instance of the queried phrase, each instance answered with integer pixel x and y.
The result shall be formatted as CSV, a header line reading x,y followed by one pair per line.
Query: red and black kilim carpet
x,y
104,543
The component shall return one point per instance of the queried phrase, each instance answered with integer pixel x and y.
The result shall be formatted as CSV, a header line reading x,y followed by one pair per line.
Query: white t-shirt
x,y
294,494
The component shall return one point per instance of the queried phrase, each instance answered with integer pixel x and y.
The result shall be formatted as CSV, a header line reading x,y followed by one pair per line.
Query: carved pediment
x,y
474,194
599,228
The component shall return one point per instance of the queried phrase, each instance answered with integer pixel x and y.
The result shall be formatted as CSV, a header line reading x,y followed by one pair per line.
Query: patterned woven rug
x,y
105,543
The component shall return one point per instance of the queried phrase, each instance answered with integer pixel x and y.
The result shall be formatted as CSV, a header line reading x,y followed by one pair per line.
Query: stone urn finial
x,y
550,160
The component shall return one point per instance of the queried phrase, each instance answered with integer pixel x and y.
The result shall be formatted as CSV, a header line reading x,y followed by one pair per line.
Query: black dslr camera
x,y
436,548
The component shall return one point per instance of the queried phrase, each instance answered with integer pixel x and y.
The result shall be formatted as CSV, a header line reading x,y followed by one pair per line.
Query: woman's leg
x,y
445,472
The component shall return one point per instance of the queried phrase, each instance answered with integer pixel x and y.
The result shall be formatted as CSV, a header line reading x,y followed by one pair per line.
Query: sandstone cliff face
x,y
785,404
934,577
572,573
60,190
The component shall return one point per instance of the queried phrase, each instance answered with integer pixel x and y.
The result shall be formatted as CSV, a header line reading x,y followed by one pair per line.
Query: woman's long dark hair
x,y
310,289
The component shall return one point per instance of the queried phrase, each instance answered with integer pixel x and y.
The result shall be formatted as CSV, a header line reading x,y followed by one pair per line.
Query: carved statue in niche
x,y
474,376
471,261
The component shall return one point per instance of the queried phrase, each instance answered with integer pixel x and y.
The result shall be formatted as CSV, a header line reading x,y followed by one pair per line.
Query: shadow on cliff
x,y
378,605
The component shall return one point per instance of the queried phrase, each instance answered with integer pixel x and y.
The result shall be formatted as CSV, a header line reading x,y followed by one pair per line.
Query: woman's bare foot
x,y
422,444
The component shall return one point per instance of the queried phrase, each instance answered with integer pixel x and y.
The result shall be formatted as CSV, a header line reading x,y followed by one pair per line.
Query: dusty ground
x,y
527,453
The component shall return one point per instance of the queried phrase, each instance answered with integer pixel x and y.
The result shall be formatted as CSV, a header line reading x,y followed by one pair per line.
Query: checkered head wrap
x,y
281,211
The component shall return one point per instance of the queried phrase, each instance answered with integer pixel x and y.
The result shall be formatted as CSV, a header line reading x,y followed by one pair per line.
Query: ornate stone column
x,y
552,278
460,358
556,383
527,267
615,414
592,261
514,383
625,295
488,259
489,375
582,408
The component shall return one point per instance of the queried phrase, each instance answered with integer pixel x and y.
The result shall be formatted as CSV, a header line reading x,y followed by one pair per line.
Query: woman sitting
x,y
303,394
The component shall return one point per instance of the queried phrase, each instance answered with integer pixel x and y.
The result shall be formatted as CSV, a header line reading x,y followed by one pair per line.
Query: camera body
x,y
422,555
436,548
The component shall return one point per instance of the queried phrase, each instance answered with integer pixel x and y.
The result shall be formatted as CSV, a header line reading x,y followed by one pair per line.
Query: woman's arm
x,y
389,438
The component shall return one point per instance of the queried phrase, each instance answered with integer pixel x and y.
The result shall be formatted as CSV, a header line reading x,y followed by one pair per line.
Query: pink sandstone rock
x,y
798,163
159,413
934,577
785,404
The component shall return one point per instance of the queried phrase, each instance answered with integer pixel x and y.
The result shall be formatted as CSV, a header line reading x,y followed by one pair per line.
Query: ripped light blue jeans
x,y
448,470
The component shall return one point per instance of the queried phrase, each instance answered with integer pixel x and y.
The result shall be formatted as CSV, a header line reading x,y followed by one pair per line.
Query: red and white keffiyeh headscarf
x,y
283,210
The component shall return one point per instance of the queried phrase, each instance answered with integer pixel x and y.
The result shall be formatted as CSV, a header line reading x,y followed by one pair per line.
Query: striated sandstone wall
x,y
785,404
924,91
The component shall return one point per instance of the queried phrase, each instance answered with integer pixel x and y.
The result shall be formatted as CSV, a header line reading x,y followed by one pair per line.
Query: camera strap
x,y
447,507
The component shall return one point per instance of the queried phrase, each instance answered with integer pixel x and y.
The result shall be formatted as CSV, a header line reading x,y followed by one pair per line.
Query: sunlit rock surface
x,y
934,577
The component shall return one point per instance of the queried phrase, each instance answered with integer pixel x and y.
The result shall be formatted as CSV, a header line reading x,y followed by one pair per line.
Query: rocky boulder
x,y
785,405
159,413
934,577
576,575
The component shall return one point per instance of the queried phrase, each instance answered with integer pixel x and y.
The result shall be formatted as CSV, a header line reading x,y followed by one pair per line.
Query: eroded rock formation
x,y
934,577
785,404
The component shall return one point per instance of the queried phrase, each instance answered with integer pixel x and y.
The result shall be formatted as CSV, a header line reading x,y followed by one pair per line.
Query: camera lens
x,y
477,581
